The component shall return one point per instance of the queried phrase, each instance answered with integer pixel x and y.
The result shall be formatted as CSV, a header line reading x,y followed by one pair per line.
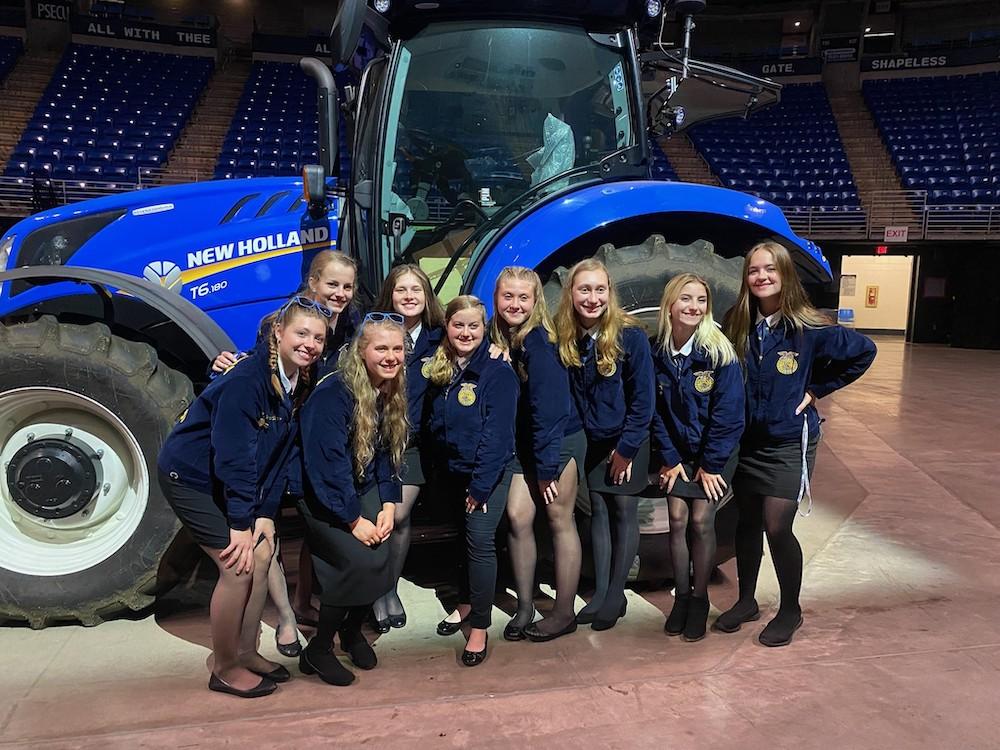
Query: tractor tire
x,y
83,523
641,271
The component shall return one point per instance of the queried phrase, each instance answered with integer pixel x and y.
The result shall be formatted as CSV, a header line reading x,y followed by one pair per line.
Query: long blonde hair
x,y
371,427
501,334
609,327
794,303
283,318
707,335
433,314
441,367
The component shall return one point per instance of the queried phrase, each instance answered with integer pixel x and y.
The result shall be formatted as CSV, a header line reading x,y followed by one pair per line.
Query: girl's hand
x,y
497,352
548,489
224,361
471,505
365,532
264,526
621,468
385,520
669,476
805,403
239,553
713,484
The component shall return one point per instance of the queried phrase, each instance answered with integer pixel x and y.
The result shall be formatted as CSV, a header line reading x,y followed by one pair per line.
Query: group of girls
x,y
572,414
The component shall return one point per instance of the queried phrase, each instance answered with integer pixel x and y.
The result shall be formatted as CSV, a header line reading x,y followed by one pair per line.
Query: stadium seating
x,y
275,128
108,114
789,154
11,48
659,167
943,134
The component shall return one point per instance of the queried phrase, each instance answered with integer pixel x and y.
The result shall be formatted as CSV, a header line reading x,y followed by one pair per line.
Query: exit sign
x,y
881,249
896,234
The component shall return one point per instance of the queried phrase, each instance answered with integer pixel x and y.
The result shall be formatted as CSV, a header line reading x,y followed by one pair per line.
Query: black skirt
x,y
692,490
572,447
349,573
774,469
203,515
599,480
412,470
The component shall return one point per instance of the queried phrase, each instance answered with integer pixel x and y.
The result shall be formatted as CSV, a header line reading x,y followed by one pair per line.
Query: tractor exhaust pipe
x,y
329,120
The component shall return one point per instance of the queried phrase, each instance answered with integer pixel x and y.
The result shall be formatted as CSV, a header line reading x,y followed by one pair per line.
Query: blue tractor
x,y
482,137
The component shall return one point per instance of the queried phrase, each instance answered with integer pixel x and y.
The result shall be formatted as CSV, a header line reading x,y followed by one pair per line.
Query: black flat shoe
x,y
380,626
397,621
537,636
475,658
779,631
602,624
697,618
585,618
291,650
326,665
361,653
513,632
678,615
450,628
264,687
278,674
732,619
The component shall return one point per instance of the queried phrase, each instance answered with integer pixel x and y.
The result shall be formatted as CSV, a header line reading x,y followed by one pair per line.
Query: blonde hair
x,y
324,258
283,318
441,367
609,327
433,314
707,336
794,303
501,333
371,427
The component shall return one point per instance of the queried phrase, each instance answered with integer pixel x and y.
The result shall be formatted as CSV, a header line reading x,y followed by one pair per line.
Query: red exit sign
x,y
881,249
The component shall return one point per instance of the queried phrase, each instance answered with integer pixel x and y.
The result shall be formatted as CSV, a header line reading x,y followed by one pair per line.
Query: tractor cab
x,y
477,115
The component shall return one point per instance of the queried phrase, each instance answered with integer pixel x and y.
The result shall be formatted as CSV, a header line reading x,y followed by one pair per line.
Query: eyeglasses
x,y
309,304
378,317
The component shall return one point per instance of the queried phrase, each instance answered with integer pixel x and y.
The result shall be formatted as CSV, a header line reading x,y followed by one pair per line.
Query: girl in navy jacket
x,y
611,379
550,449
696,431
224,468
792,356
354,433
407,291
469,410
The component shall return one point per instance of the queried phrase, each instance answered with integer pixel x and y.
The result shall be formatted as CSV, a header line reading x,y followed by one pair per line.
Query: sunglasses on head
x,y
309,304
378,317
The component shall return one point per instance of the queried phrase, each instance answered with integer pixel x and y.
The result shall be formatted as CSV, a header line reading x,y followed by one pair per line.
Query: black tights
x,y
702,536
345,620
775,516
613,548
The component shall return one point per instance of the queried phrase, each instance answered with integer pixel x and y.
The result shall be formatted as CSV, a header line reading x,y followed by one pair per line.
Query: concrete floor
x,y
900,647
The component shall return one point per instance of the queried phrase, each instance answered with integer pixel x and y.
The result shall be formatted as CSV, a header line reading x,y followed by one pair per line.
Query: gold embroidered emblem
x,y
611,370
467,394
425,368
787,363
704,381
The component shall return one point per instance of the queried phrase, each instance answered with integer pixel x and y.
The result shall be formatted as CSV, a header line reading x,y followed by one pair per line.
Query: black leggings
x,y
774,517
614,547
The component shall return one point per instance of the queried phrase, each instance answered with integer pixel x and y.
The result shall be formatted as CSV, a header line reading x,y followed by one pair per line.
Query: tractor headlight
x,y
382,6
653,8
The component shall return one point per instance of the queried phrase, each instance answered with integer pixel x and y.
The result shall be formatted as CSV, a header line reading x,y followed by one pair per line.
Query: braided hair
x,y
282,319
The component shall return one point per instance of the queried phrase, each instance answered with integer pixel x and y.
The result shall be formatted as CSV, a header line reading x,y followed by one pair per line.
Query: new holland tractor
x,y
482,136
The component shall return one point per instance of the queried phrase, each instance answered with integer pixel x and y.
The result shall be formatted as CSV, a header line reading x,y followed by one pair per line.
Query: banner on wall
x,y
799,66
932,59
276,44
51,11
840,48
177,36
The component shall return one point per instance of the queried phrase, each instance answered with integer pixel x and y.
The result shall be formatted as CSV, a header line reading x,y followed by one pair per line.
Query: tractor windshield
x,y
478,115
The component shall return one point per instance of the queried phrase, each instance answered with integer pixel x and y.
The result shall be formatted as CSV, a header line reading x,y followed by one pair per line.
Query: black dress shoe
x,y
780,630
278,674
475,658
361,653
264,687
326,665
397,621
450,628
380,626
678,615
538,636
291,650
585,618
697,618
600,623
733,618
512,632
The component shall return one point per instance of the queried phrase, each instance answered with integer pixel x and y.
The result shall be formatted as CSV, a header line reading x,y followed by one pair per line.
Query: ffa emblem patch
x,y
787,363
611,370
425,368
704,381
467,394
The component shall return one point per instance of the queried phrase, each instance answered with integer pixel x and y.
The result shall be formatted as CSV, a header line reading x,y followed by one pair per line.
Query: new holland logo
x,y
165,273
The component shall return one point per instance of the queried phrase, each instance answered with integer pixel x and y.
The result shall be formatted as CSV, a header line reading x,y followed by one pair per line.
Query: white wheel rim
x,y
33,546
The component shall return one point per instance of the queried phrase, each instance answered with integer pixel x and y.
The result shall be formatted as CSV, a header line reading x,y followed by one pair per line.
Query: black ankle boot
x,y
780,630
357,647
678,615
733,618
320,661
697,619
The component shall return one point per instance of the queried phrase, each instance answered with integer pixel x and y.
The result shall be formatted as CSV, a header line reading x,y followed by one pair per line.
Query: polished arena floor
x,y
900,647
